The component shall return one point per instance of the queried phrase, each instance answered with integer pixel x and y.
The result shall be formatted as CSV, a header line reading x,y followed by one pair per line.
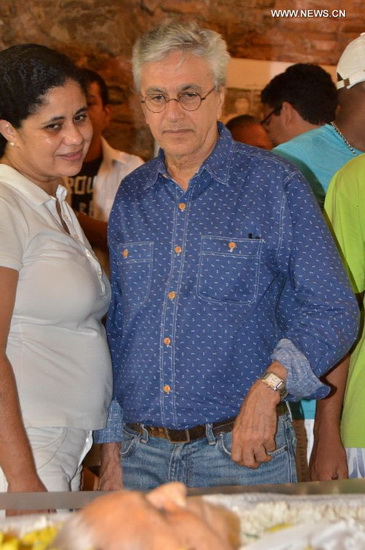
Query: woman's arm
x,y
16,458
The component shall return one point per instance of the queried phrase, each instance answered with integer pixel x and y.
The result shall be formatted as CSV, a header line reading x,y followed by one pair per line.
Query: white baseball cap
x,y
351,66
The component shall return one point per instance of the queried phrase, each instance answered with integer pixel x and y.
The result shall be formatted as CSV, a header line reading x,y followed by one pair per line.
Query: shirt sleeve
x,y
114,427
114,320
309,175
13,230
318,309
301,381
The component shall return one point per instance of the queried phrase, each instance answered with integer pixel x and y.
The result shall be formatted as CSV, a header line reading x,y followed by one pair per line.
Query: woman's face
x,y
53,142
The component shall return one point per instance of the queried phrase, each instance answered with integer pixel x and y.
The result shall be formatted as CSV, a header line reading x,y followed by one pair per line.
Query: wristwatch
x,y
271,380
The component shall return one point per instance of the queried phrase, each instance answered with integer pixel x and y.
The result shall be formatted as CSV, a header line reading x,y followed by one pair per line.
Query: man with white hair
x,y
228,292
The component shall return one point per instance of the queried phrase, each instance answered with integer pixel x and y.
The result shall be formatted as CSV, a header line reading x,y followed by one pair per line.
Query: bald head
x,y
247,129
164,518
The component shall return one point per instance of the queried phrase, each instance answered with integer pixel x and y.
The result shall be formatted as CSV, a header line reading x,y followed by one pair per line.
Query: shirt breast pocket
x,y
229,269
135,273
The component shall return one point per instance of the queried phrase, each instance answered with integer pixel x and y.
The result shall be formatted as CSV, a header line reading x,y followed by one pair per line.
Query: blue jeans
x,y
149,461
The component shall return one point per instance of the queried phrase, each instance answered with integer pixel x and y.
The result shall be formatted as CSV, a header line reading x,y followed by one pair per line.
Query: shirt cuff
x,y
114,427
301,381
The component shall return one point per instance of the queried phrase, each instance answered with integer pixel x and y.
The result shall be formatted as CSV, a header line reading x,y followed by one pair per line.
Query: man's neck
x,y
305,126
181,172
182,168
350,120
352,129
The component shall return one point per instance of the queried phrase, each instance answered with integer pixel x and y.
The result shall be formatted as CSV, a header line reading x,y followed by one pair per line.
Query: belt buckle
x,y
172,440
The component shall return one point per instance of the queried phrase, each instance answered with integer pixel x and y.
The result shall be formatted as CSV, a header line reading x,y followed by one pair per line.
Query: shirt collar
x,y
22,185
111,156
219,161
217,164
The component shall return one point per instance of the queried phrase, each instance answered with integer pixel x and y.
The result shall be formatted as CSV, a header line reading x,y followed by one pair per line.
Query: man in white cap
x,y
319,154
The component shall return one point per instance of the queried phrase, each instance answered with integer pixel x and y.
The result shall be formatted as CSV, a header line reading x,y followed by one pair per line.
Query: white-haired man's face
x,y
186,137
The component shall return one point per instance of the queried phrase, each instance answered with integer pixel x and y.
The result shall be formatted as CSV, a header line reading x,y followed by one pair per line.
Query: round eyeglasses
x,y
189,101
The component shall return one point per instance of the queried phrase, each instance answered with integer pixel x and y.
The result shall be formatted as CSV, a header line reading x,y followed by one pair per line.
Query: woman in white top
x,y
55,373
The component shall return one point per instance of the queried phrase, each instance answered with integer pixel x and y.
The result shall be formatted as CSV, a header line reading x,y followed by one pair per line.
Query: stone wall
x,y
100,34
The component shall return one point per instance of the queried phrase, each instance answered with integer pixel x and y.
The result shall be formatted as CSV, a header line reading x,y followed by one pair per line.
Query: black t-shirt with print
x,y
82,186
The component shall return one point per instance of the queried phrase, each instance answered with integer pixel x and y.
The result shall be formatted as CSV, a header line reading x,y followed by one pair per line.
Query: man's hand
x,y
110,469
255,427
328,459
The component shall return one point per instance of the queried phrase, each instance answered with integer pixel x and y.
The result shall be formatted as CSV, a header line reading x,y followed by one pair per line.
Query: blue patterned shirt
x,y
213,284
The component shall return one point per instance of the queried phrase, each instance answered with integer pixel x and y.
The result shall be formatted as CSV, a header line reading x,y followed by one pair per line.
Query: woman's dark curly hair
x,y
27,73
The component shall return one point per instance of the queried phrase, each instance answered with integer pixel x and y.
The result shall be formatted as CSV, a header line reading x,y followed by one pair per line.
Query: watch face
x,y
274,381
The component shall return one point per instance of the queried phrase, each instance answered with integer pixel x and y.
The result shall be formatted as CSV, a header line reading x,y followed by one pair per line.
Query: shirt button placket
x,y
171,305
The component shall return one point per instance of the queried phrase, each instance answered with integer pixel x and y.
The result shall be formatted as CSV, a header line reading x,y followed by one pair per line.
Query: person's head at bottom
x,y
162,519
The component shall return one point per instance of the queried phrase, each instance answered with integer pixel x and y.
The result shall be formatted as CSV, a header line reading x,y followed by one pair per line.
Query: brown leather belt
x,y
191,434
183,436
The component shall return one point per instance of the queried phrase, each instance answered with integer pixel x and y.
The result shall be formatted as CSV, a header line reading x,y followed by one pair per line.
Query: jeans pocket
x,y
44,438
225,444
45,443
285,451
278,451
129,443
285,439
289,434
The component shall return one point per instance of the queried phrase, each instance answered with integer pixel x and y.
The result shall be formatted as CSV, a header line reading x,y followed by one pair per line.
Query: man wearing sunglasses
x,y
298,100
228,293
